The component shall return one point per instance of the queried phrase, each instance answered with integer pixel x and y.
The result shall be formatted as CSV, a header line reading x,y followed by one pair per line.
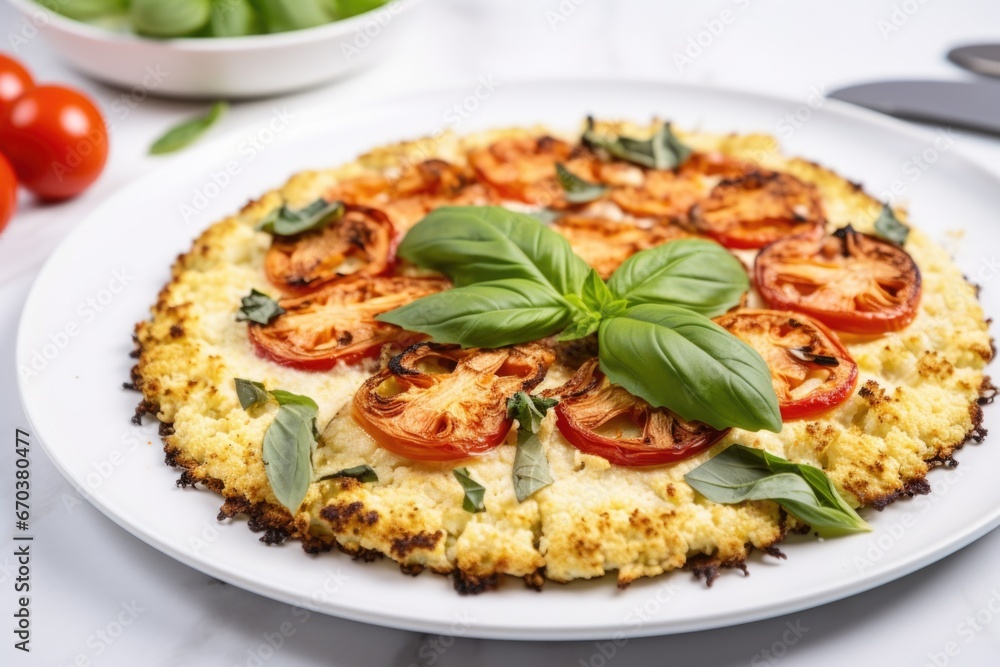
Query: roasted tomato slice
x,y
849,281
337,323
604,244
603,419
441,403
811,370
429,185
524,168
362,242
756,209
661,193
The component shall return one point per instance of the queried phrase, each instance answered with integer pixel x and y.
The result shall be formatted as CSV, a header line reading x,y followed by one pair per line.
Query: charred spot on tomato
x,y
441,402
604,420
361,242
337,323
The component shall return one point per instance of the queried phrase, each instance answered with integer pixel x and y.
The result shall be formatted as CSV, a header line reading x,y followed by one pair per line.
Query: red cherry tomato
x,y
8,192
14,81
56,140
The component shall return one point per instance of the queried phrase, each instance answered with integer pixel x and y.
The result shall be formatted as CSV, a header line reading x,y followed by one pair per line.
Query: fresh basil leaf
x,y
490,314
675,358
698,275
575,189
888,227
288,445
531,467
528,410
474,491
283,221
743,473
183,135
288,398
250,393
474,244
661,151
258,307
362,473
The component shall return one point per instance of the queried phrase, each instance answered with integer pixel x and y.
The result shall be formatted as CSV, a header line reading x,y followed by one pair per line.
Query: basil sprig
x,y
474,491
888,227
519,281
284,221
743,473
661,151
289,442
258,307
531,467
577,190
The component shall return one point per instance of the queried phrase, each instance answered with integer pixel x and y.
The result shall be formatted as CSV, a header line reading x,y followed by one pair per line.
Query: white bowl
x,y
229,67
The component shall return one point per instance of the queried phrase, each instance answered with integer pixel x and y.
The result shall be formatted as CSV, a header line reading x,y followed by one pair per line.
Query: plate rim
x,y
350,113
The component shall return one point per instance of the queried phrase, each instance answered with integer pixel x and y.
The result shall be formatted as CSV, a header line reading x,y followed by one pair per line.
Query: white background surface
x,y
85,568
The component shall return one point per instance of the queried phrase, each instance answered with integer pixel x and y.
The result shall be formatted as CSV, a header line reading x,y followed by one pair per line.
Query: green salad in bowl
x,y
209,18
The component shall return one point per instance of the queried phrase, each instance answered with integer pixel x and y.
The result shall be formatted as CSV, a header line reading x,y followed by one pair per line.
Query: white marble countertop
x,y
103,597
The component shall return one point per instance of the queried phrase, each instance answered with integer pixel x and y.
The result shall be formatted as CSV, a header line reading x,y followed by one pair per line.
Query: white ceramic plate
x,y
231,67
74,342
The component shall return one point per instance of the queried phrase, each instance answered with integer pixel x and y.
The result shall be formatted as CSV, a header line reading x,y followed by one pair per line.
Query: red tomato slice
x,y
442,403
811,370
603,419
362,242
337,324
849,281
759,208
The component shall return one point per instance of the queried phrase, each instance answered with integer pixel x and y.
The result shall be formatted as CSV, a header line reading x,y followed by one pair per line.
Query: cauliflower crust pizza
x,y
304,363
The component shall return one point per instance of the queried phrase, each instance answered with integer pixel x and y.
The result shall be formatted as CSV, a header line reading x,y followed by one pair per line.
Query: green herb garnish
x,y
888,227
284,221
362,473
250,393
474,491
576,189
743,473
531,467
258,307
661,151
183,135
